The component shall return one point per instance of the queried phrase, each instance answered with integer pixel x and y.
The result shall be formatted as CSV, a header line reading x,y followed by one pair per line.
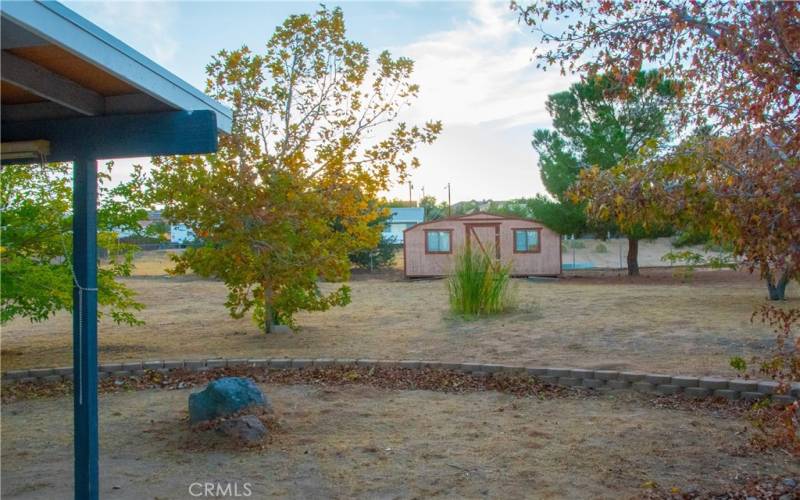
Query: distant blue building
x,y
401,219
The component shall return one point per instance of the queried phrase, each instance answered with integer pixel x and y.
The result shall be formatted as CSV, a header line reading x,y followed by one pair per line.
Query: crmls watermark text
x,y
220,490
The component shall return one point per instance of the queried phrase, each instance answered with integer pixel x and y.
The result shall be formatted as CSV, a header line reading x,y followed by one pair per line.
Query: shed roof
x,y
472,215
56,64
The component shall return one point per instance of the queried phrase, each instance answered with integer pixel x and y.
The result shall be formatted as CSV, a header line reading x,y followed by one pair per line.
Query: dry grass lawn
x,y
653,323
363,442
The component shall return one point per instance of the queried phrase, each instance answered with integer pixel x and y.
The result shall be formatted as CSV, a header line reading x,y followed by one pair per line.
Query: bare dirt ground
x,y
589,319
362,442
365,442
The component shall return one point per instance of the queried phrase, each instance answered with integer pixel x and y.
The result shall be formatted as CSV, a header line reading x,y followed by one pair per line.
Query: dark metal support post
x,y
84,327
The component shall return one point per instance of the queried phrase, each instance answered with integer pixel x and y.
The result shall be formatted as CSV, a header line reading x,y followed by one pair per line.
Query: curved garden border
x,y
696,387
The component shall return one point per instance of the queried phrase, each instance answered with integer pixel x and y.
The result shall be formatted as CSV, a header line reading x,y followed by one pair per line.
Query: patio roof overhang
x,y
57,64
72,92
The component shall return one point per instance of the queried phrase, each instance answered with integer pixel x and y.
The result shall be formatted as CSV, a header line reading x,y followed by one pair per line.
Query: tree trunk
x,y
777,291
633,257
267,309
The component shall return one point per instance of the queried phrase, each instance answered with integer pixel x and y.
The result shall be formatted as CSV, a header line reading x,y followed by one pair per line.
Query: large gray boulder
x,y
225,396
247,429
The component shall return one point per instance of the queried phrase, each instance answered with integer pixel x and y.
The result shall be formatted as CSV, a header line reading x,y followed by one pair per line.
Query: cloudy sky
x,y
473,62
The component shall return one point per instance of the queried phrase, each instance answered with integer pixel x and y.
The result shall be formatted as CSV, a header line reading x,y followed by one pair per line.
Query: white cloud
x,y
480,162
146,25
149,27
481,81
482,71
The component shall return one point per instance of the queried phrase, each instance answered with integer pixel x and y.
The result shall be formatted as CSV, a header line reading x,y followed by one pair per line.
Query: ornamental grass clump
x,y
479,285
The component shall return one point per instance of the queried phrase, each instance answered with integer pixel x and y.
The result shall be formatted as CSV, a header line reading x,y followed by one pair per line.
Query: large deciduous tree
x,y
740,62
36,251
599,123
291,192
741,65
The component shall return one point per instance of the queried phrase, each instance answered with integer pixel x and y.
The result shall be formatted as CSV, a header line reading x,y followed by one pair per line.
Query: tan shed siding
x,y
545,262
419,264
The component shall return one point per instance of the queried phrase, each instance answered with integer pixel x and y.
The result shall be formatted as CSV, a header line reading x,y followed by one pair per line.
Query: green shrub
x,y
479,285
577,244
686,258
380,257
690,260
600,248
720,247
701,239
688,238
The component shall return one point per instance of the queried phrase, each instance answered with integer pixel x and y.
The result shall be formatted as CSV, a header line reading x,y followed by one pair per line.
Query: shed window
x,y
526,240
437,241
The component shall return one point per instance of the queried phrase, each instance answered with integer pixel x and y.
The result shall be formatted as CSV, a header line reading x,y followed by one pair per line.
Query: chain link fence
x,y
612,253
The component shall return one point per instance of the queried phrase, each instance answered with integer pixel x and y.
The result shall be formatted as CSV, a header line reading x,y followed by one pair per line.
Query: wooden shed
x,y
531,248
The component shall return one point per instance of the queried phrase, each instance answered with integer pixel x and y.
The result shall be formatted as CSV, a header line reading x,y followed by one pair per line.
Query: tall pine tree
x,y
598,123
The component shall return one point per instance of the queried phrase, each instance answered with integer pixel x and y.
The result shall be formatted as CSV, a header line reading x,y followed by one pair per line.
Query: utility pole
x,y
449,206
423,191
410,187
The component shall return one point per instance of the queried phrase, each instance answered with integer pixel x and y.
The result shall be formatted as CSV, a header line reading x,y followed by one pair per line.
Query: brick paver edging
x,y
698,387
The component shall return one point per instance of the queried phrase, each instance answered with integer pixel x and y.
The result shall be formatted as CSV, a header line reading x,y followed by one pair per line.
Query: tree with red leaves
x,y
740,62
736,172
